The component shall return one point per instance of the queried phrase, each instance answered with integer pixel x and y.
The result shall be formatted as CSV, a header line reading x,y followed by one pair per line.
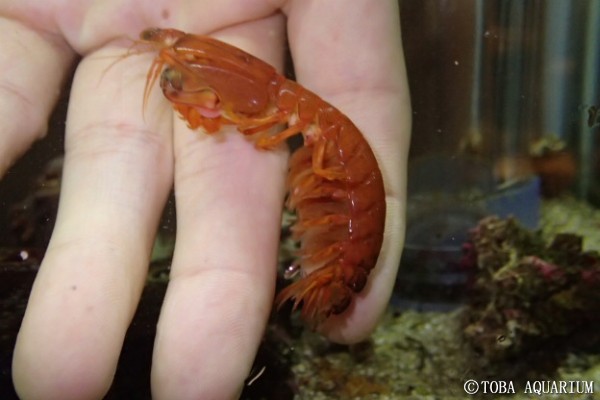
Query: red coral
x,y
549,271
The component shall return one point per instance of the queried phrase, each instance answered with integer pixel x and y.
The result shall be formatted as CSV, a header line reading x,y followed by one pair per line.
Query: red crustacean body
x,y
334,182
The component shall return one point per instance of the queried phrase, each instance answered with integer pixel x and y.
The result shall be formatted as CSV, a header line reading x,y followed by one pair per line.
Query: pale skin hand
x,y
120,165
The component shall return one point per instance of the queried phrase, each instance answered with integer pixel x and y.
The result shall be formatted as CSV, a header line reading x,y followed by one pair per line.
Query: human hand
x,y
120,165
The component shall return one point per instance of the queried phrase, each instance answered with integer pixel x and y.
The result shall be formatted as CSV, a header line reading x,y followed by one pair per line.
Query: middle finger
x,y
229,199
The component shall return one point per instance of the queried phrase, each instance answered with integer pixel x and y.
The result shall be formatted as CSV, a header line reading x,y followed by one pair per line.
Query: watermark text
x,y
473,386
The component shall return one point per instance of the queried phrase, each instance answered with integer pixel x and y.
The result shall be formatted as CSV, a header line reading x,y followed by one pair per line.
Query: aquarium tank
x,y
498,289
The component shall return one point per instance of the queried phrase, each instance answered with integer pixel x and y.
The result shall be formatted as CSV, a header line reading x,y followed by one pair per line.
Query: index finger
x,y
116,177
356,64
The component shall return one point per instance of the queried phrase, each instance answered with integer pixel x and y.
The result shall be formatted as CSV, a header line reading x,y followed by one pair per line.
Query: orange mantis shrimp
x,y
334,182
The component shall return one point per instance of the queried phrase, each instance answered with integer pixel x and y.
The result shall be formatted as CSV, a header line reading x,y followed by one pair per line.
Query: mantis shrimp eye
x,y
171,78
150,34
